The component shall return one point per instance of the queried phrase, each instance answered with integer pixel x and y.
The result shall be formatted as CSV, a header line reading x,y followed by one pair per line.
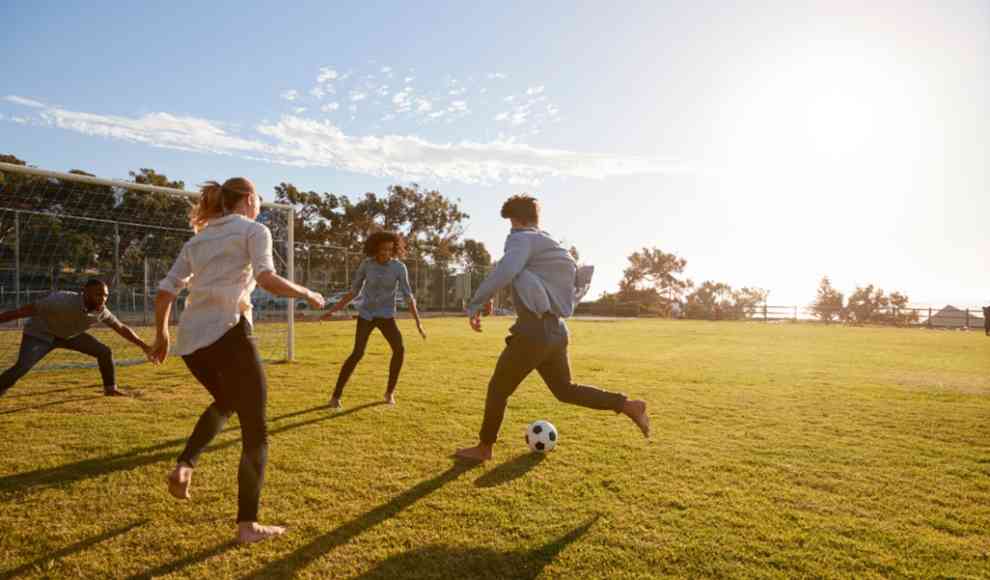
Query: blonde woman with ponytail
x,y
220,265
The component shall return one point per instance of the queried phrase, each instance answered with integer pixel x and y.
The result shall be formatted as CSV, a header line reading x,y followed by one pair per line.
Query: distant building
x,y
952,317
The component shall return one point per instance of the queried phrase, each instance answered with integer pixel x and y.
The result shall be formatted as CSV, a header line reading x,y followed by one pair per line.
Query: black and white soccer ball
x,y
541,436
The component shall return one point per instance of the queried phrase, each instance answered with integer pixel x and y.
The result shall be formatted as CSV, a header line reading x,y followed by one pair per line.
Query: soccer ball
x,y
541,436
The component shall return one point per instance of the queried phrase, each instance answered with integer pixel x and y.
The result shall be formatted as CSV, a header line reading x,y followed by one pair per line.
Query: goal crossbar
x,y
12,168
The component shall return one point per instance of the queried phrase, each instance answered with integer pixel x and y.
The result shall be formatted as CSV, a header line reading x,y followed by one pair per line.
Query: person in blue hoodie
x,y
546,286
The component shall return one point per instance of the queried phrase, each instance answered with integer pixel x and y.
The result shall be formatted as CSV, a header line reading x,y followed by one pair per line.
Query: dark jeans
x,y
546,354
390,330
34,349
231,371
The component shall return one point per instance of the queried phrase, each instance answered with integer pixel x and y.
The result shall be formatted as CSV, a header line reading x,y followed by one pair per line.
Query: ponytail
x,y
217,200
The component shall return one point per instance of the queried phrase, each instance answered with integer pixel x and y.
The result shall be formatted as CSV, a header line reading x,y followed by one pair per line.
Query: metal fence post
x,y
290,347
145,316
17,263
116,262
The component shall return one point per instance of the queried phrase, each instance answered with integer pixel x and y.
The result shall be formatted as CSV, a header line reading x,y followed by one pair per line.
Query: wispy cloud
x,y
358,96
302,142
330,107
25,102
290,95
327,74
496,76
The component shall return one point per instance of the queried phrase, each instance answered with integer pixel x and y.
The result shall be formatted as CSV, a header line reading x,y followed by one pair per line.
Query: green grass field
x,y
779,451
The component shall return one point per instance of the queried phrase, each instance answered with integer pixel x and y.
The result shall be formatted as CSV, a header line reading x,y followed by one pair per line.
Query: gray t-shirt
x,y
64,315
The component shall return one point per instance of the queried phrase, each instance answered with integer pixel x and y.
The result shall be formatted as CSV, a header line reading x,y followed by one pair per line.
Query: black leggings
x,y
390,331
231,371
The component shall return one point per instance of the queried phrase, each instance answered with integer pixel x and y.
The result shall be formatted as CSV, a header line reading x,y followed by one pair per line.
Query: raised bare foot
x,y
335,403
179,480
479,452
252,532
389,398
636,410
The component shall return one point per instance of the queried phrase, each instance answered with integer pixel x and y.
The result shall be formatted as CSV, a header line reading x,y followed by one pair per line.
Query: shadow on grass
x,y
50,404
440,561
140,457
190,560
68,551
510,470
30,393
296,561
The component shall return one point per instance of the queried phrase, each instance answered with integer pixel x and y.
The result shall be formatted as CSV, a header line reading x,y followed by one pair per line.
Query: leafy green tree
x,y
652,279
828,304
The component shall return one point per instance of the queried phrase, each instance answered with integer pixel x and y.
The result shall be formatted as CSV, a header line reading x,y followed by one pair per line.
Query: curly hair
x,y
376,239
524,208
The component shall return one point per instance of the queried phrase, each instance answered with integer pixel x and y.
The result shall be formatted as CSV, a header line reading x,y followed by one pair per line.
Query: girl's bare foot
x,y
479,452
389,398
335,403
179,481
636,410
252,532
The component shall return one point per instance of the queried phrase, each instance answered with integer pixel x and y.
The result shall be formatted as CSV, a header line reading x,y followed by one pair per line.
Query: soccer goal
x,y
58,230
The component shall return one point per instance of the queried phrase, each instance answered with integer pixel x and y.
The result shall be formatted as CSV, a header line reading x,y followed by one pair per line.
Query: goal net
x,y
58,230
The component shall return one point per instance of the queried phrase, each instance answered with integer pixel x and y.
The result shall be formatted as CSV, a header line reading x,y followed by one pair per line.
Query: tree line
x,y
654,281
866,305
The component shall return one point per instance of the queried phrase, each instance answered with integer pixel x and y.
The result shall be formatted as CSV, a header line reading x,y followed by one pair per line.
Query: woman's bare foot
x,y
335,403
636,410
389,398
479,452
252,532
179,481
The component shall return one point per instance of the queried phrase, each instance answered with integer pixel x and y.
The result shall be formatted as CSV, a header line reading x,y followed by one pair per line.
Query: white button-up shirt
x,y
219,266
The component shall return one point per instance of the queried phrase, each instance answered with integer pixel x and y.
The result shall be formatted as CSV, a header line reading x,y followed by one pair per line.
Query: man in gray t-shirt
x,y
61,320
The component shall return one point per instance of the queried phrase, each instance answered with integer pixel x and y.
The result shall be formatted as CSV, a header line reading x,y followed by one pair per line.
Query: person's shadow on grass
x,y
50,404
510,470
190,560
143,456
289,565
439,561
38,565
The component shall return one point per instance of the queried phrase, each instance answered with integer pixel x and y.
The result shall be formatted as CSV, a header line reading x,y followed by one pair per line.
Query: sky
x,y
767,143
